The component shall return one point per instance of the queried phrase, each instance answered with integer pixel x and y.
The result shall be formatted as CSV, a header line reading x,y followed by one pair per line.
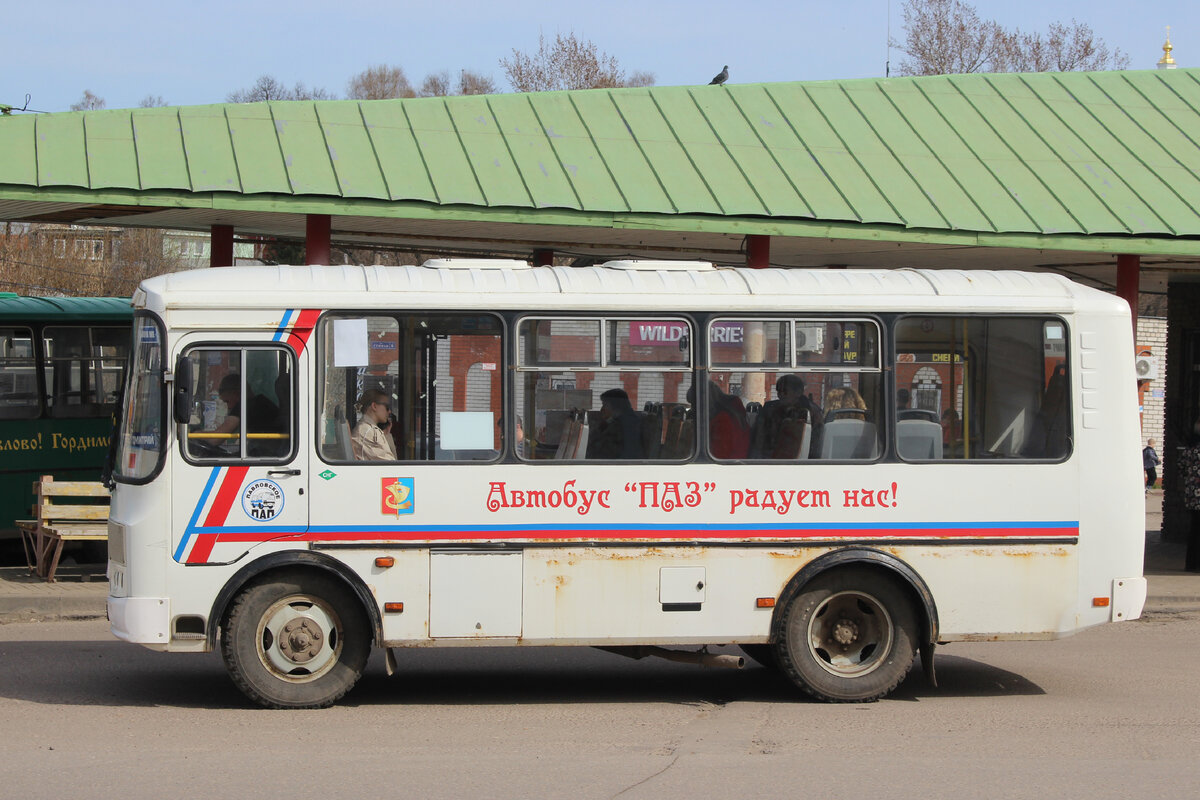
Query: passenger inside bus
x,y
372,439
785,424
618,434
728,428
844,403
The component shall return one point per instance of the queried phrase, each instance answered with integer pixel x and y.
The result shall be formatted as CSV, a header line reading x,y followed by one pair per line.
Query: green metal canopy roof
x,y
1031,156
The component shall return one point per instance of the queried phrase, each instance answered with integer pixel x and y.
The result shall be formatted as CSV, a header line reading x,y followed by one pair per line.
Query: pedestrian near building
x,y
1150,464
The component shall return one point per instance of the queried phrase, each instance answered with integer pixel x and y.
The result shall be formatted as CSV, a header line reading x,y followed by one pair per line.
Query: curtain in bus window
x,y
605,389
437,377
18,375
996,387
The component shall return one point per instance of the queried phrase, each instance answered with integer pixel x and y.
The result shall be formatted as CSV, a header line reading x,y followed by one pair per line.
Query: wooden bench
x,y
83,518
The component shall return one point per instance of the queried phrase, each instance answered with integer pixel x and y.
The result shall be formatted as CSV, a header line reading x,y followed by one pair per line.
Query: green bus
x,y
62,362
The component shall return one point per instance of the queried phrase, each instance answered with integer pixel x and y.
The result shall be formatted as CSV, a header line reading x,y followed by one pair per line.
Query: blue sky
x,y
199,53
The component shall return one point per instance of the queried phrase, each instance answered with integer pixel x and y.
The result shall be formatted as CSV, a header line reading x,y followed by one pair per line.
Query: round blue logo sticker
x,y
262,500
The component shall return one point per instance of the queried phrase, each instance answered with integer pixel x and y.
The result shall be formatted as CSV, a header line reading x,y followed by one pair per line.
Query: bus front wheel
x,y
848,636
298,640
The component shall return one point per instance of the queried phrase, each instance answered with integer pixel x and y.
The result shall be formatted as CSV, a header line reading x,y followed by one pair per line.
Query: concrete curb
x,y
45,608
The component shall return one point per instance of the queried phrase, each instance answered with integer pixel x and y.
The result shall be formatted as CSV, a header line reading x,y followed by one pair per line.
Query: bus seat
x,y
917,414
919,439
849,438
805,443
581,441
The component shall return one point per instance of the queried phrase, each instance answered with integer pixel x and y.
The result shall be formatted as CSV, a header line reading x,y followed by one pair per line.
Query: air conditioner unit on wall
x,y
1146,367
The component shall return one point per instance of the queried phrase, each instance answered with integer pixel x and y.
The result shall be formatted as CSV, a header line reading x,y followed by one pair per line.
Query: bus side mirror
x,y
183,390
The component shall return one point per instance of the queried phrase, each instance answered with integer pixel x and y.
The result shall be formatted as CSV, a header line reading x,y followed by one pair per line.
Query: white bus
x,y
832,469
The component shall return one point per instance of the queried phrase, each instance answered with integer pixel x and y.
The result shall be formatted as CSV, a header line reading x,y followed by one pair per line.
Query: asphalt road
x,y
1111,713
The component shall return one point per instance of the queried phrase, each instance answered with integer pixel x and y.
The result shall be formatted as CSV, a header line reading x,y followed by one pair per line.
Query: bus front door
x,y
241,467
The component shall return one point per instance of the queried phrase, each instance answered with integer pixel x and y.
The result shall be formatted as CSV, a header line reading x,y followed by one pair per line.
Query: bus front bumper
x,y
1128,598
141,620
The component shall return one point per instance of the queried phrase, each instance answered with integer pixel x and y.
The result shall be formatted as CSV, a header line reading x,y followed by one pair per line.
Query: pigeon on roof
x,y
721,77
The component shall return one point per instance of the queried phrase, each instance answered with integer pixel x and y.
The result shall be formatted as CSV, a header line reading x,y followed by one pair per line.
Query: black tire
x,y
762,653
848,636
321,658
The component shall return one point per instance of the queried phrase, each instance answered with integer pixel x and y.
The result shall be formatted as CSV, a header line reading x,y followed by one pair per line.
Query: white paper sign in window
x,y
467,430
350,347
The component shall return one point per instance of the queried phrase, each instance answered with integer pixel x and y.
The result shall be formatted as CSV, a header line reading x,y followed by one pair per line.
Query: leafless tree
x,y
568,63
1064,48
470,82
379,83
89,102
66,260
436,84
267,87
152,101
948,36
439,84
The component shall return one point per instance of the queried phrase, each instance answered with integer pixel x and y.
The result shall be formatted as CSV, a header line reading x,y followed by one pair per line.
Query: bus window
x,y
140,439
18,375
440,372
83,369
242,407
794,389
995,387
604,388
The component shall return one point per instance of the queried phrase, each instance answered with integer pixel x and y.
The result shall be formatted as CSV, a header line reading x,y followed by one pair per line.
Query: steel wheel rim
x,y
299,638
850,634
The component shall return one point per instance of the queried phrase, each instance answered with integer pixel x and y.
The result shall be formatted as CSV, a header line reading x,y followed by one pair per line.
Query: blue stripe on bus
x,y
287,317
192,527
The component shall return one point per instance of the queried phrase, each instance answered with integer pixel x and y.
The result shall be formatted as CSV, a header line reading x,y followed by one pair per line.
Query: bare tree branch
x,y
568,63
947,37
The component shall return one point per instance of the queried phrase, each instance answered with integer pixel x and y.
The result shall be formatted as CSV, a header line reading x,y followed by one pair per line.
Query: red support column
x,y
220,249
758,251
1128,269
316,239
543,258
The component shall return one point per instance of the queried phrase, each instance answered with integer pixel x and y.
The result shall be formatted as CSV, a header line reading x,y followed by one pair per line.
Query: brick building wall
x,y
1152,341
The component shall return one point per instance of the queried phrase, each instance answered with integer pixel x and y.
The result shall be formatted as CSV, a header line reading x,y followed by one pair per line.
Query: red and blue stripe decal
x,y
296,327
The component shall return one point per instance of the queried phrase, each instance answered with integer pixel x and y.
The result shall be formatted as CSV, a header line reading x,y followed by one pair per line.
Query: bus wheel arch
x,y
295,638
306,560
847,626
870,558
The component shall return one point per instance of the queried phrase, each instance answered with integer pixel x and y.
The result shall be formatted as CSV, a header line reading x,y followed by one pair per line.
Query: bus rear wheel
x,y
299,640
848,636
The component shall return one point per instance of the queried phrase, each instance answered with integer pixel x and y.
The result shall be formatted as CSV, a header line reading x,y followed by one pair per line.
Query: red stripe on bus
x,y
302,330
225,497
202,549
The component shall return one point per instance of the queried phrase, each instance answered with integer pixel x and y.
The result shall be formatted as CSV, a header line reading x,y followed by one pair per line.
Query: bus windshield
x,y
142,419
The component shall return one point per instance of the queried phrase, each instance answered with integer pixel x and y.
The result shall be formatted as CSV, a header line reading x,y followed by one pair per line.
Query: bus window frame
x,y
1043,318
38,406
520,368
603,365
329,315
92,367
164,421
794,320
242,346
